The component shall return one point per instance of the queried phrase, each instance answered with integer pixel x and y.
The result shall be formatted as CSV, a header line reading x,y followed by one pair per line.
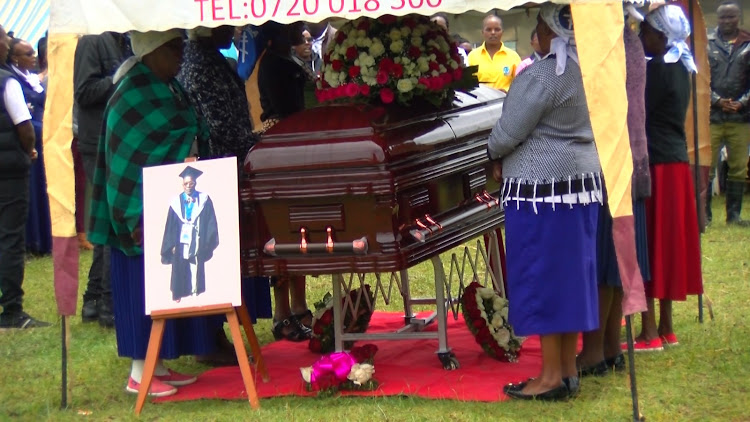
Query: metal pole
x,y
631,367
696,157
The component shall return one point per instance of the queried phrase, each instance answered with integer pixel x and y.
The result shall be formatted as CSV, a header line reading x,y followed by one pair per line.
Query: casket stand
x,y
355,189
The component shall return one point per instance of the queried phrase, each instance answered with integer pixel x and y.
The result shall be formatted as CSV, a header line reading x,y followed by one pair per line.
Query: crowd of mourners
x,y
562,270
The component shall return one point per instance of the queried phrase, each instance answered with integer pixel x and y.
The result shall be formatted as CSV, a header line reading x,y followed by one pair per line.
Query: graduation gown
x,y
196,248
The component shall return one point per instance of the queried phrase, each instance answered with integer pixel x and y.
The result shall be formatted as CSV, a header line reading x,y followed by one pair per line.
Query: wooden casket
x,y
357,188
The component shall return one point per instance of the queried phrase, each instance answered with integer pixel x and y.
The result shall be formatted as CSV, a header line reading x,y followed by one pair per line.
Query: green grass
x,y
706,378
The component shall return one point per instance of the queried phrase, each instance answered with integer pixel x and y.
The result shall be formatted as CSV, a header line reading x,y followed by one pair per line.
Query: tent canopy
x,y
93,17
28,19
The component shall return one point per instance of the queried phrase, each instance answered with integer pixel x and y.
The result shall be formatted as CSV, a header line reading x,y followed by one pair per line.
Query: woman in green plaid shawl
x,y
148,121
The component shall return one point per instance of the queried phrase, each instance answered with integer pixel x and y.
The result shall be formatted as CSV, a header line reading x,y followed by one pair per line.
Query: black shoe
x,y
559,393
291,329
516,386
617,362
21,320
106,316
574,386
89,311
600,369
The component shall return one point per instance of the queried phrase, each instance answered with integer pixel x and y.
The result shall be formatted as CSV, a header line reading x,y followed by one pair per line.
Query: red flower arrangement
x,y
393,59
351,370
323,336
486,315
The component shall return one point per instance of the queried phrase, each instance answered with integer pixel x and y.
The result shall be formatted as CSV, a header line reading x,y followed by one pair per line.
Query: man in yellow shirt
x,y
497,63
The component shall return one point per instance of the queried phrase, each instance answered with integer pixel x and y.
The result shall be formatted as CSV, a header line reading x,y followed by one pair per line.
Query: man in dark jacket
x,y
729,55
16,154
97,57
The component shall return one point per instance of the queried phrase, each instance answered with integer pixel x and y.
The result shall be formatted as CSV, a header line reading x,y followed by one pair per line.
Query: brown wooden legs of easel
x,y
157,331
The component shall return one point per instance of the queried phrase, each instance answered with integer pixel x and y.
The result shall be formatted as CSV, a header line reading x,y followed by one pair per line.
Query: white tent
x,y
28,19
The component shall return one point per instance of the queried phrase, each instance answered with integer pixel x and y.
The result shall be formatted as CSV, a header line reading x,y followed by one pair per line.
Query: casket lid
x,y
347,135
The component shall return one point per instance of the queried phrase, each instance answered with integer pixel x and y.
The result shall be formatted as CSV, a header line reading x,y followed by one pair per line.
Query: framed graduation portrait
x,y
191,235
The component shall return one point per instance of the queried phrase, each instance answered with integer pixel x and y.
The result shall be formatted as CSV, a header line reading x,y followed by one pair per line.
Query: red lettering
x,y
415,6
372,5
231,14
291,9
403,3
252,9
276,9
214,9
310,12
330,5
201,2
437,3
354,7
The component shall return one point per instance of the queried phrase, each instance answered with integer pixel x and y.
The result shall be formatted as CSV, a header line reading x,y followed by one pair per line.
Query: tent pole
x,y
64,377
631,366
696,157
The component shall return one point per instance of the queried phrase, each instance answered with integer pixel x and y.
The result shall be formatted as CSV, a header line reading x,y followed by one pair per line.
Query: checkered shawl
x,y
146,123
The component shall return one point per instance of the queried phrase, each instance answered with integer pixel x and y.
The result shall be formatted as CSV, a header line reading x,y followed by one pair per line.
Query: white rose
x,y
497,321
486,293
306,373
424,64
377,49
369,80
418,31
432,43
498,303
405,31
332,78
361,373
356,62
504,313
483,315
404,85
435,73
342,76
361,33
405,60
397,46
442,70
416,41
454,64
502,337
395,34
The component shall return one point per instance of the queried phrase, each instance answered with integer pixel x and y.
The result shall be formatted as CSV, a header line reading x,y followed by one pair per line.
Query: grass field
x,y
707,377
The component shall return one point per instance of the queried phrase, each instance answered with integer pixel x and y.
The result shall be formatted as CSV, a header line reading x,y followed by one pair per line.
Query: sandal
x,y
295,330
305,318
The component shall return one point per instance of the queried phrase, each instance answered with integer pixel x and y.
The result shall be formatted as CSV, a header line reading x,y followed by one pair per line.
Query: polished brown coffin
x,y
356,188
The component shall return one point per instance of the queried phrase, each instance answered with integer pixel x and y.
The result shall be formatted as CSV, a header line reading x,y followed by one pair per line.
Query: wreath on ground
x,y
486,315
323,336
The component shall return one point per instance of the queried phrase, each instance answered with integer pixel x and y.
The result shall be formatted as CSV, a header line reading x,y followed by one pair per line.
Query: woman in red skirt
x,y
671,211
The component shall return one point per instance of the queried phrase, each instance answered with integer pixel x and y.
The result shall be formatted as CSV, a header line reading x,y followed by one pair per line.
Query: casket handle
x,y
429,227
357,246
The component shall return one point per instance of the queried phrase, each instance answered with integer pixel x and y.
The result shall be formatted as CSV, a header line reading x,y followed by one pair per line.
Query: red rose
x,y
437,83
426,82
364,25
326,58
475,314
351,53
433,66
337,65
364,89
354,71
386,96
387,19
318,329
411,23
352,89
320,95
478,323
381,78
385,64
447,77
314,345
327,317
415,52
397,70
340,37
441,58
458,74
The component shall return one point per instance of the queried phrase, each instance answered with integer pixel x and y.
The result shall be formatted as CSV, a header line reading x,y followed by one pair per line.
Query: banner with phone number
x,y
93,17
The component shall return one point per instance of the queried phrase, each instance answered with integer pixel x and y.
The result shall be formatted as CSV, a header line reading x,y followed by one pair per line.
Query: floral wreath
x,y
486,315
351,370
393,59
323,336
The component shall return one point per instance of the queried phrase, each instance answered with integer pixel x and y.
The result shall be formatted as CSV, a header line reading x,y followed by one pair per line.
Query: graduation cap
x,y
191,171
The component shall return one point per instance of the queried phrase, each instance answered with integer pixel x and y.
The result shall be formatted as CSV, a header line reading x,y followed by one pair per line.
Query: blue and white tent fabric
x,y
28,19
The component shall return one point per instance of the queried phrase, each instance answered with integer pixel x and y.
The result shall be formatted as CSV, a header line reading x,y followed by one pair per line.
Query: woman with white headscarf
x,y
148,121
552,194
671,215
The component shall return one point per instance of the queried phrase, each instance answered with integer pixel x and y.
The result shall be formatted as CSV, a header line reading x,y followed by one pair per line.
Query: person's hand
x,y
735,105
34,154
497,170
137,236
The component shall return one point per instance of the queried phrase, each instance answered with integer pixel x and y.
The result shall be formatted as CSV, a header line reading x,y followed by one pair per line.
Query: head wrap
x,y
144,43
670,20
198,32
631,9
560,20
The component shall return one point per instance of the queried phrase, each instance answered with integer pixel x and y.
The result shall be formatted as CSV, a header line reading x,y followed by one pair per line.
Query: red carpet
x,y
402,367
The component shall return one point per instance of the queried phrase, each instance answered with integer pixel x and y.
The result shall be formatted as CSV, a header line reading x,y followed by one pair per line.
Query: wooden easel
x,y
157,331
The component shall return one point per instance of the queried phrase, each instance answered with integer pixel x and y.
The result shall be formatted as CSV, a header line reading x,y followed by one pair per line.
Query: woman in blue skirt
x,y
552,193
